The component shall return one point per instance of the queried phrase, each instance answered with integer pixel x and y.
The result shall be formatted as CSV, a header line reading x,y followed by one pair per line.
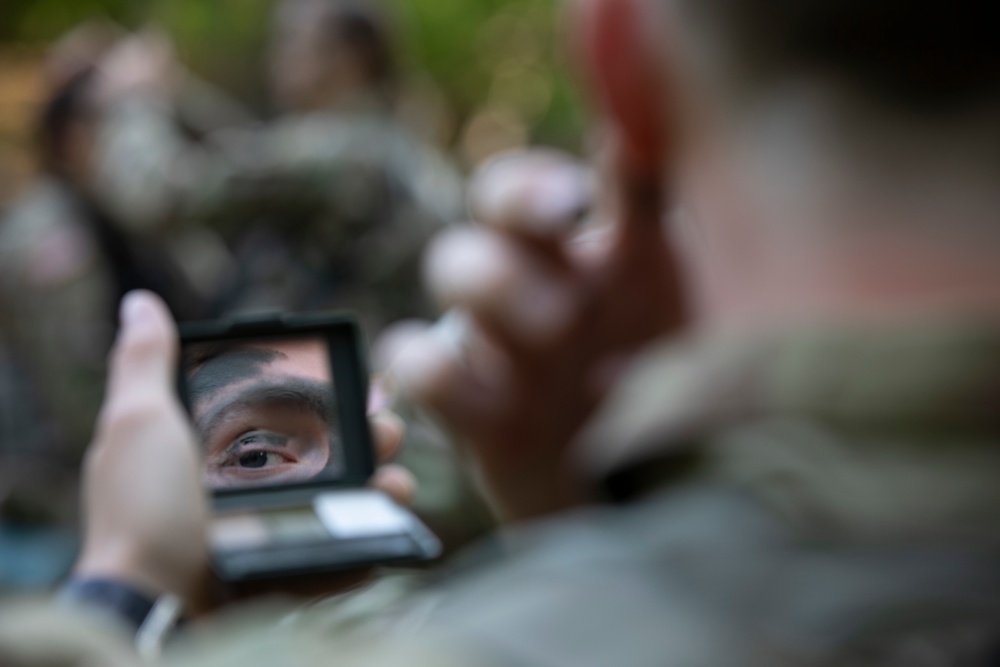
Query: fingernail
x,y
378,399
460,262
560,195
492,191
135,309
454,330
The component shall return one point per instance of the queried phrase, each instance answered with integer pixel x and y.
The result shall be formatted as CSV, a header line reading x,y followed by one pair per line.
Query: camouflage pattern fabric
x,y
328,210
311,213
820,499
63,269
56,316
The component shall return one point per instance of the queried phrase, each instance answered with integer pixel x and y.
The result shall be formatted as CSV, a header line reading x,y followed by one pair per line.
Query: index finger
x,y
539,194
143,359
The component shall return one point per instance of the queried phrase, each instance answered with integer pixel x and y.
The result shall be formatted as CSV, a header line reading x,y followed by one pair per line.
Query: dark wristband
x,y
151,621
114,597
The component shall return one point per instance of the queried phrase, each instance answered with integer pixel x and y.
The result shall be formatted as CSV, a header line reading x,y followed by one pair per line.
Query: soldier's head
x,y
835,155
66,123
326,51
66,128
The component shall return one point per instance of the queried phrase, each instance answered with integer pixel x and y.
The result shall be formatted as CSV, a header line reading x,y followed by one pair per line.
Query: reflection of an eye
x,y
256,459
276,439
257,450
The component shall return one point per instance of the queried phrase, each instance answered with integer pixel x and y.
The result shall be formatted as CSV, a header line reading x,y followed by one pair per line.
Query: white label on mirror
x,y
243,531
351,514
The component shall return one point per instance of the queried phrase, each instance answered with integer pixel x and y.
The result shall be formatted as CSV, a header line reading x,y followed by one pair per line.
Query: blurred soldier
x,y
63,268
64,265
57,287
328,206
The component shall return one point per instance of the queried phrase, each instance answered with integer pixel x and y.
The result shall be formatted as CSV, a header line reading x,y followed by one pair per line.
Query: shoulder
x,y
601,586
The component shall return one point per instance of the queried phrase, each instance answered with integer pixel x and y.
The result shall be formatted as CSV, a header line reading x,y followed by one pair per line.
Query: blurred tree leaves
x,y
40,21
500,56
506,55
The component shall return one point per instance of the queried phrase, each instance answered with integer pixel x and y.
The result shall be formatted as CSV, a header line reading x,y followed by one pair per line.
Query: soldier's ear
x,y
621,49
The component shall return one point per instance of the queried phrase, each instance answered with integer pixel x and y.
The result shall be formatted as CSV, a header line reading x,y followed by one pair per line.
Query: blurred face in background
x,y
310,68
68,130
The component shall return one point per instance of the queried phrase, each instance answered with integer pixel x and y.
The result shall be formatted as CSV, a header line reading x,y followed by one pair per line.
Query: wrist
x,y
127,563
118,562
154,575
150,620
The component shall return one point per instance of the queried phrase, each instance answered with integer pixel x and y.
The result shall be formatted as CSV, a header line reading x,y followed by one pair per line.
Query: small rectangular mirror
x,y
265,411
278,405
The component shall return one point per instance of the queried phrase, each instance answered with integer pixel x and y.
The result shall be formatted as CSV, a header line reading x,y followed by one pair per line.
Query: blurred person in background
x,y
329,205
88,231
801,470
64,265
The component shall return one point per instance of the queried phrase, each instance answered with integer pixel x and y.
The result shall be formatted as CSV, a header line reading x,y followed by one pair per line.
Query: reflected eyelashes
x,y
250,450
258,437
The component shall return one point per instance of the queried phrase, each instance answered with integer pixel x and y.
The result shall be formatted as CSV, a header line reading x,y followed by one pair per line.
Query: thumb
x,y
144,357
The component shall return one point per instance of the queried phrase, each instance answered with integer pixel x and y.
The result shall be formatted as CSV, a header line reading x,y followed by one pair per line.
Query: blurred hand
x,y
146,510
548,319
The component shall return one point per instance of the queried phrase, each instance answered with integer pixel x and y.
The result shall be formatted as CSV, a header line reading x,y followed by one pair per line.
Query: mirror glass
x,y
265,411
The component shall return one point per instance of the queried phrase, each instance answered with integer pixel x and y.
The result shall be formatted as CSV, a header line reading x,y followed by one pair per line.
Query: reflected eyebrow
x,y
226,367
312,395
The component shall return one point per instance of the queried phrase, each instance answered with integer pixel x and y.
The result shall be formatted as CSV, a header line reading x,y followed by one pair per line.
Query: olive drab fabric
x,y
57,323
329,210
322,210
64,266
822,498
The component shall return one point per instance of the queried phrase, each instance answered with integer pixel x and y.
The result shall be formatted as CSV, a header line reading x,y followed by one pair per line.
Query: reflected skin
x,y
265,412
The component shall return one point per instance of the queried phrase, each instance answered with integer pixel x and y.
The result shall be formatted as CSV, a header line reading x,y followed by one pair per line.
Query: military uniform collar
x,y
928,378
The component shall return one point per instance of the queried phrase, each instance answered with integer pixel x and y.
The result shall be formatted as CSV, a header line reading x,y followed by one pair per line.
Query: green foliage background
x,y
477,52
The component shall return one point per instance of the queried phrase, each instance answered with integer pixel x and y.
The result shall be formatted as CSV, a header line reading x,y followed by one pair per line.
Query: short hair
x,y
68,104
362,28
928,57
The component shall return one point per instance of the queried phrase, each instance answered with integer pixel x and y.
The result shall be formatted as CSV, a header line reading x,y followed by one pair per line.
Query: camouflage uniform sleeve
x,y
368,196
427,196
39,634
149,174
379,626
205,108
354,196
